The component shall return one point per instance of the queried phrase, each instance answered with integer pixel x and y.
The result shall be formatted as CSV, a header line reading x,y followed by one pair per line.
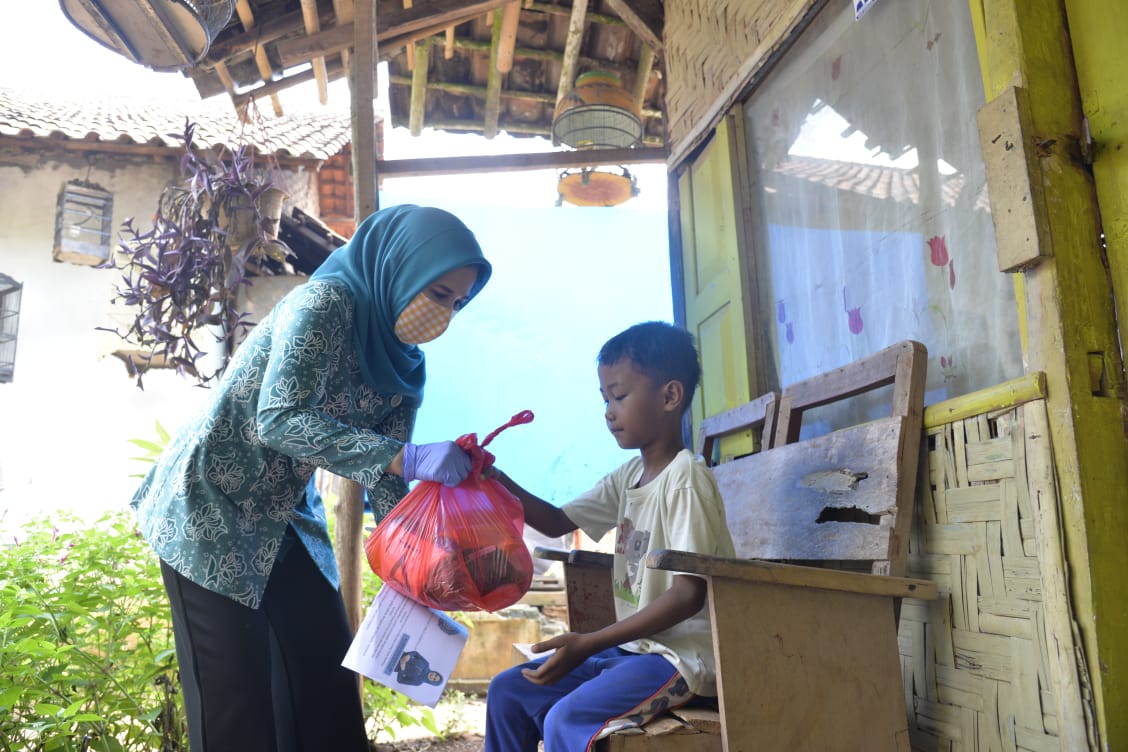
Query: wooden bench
x,y
805,620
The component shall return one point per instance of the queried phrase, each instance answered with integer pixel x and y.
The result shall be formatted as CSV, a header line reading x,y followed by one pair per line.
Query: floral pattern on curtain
x,y
871,222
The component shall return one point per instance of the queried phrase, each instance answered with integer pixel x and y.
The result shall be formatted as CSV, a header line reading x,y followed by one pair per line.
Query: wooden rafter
x,y
644,17
402,168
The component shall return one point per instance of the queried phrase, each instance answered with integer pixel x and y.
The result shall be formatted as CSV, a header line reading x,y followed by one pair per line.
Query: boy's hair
x,y
662,352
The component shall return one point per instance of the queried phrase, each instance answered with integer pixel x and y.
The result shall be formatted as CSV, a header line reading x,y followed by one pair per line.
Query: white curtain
x,y
872,222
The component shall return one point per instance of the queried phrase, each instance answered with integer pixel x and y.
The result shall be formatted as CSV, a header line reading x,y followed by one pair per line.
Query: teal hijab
x,y
394,254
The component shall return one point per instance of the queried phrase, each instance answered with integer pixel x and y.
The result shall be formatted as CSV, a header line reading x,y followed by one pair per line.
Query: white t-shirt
x,y
681,509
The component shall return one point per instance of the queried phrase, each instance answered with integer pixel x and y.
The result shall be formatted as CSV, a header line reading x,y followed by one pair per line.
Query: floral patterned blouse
x,y
218,503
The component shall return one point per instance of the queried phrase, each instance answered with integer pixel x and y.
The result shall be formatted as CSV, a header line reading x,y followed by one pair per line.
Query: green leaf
x,y
9,696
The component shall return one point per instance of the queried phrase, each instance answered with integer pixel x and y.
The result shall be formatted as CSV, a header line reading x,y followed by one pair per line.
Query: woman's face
x,y
452,290
428,315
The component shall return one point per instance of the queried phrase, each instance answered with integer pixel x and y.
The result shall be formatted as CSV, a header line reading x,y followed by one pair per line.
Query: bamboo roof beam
x,y
418,22
642,75
312,26
493,83
572,48
422,54
448,45
343,11
510,20
644,17
533,53
563,10
270,31
334,70
475,90
410,49
247,19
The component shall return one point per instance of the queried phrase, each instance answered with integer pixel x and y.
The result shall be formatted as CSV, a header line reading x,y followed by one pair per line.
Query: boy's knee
x,y
506,683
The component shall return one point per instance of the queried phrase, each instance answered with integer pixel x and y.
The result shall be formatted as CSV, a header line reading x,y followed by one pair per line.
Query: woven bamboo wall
x,y
712,46
993,664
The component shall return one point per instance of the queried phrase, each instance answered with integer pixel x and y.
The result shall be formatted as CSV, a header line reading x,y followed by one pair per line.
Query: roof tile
x,y
311,134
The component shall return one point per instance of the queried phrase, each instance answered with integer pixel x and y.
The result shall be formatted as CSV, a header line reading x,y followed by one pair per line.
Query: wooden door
x,y
716,281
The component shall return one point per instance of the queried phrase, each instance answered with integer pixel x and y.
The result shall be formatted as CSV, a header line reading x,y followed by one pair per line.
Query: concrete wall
x,y
68,415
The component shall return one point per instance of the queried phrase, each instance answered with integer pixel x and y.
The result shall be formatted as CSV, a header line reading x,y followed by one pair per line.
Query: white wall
x,y
67,416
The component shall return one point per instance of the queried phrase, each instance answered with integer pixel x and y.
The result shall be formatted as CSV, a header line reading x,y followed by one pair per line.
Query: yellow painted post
x,y
1071,329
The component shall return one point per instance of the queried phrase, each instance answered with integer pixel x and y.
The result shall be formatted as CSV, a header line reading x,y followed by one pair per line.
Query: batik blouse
x,y
217,504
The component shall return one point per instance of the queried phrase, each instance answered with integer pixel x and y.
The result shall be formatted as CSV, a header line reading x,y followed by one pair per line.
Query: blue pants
x,y
612,689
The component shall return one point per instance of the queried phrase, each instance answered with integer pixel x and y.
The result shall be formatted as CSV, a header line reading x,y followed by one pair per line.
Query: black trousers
x,y
268,679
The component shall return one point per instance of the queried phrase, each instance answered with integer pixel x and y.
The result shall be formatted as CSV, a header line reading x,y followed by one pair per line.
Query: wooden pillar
x,y
1070,317
349,509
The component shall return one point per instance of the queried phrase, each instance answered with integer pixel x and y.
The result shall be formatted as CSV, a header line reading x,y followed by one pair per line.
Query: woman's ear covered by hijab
x,y
394,254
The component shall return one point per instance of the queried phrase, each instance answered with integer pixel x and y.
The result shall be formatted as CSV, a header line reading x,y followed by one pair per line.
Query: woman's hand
x,y
443,462
572,649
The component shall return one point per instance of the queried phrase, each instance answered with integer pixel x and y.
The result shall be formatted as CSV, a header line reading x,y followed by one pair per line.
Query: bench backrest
x,y
845,496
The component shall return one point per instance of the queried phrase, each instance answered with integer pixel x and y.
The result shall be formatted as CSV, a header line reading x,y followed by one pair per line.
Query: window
x,y
873,220
10,293
83,223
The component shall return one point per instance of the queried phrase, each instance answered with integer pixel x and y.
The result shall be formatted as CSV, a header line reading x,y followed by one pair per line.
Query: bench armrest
x,y
576,557
778,573
551,554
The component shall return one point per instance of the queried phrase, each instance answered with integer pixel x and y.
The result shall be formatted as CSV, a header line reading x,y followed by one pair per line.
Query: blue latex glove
x,y
444,462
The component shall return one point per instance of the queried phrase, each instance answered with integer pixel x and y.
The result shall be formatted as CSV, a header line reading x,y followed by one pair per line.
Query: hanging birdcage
x,y
597,114
160,34
10,293
596,187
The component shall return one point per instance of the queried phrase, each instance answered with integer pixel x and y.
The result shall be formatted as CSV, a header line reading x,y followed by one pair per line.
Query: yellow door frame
x,y
1067,307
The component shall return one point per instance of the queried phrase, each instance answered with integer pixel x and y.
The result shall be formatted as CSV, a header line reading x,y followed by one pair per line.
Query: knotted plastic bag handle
x,y
480,457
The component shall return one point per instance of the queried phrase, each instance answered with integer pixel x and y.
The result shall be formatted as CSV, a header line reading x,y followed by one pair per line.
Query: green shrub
x,y
87,659
86,648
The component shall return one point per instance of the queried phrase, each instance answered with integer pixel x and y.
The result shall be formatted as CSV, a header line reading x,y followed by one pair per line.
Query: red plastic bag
x,y
460,548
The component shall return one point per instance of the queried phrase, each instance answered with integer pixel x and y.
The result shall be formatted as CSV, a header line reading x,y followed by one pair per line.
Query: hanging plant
x,y
183,275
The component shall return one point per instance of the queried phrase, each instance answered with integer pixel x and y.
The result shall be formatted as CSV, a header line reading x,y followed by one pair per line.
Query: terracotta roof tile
x,y
311,134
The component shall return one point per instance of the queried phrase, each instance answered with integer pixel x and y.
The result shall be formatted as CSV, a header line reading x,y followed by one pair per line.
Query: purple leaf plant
x,y
182,275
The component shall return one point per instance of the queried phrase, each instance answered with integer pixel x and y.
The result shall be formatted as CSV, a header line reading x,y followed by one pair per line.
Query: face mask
x,y
422,321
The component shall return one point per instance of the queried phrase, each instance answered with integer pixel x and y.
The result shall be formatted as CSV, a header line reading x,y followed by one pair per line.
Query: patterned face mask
x,y
422,321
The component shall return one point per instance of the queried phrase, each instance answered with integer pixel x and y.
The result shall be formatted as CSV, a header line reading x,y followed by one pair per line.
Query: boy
x,y
658,654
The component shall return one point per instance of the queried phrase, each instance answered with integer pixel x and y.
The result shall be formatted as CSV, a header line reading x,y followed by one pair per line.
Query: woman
x,y
331,378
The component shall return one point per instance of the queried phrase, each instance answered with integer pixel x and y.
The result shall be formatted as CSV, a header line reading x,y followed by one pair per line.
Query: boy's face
x,y
635,405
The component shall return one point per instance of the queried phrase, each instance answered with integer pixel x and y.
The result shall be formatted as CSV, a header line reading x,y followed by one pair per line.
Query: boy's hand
x,y
572,649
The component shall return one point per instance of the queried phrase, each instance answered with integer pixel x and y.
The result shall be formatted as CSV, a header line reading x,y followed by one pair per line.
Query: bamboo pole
x,y
247,18
312,26
422,54
493,83
510,20
572,48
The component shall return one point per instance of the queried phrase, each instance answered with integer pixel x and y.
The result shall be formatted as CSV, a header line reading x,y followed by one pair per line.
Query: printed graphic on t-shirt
x,y
631,545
